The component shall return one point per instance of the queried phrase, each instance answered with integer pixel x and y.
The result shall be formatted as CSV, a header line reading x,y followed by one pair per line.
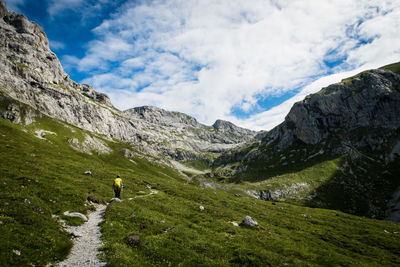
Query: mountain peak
x,y
221,124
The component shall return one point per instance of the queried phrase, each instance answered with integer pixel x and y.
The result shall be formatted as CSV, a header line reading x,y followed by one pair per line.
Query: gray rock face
x,y
249,222
32,74
371,99
3,9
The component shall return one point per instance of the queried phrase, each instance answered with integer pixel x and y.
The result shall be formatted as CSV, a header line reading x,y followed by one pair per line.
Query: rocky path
x,y
86,242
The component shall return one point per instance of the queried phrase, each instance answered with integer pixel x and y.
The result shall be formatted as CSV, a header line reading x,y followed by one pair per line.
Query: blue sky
x,y
243,61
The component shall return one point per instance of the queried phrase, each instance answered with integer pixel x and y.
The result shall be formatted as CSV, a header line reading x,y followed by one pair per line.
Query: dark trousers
x,y
117,192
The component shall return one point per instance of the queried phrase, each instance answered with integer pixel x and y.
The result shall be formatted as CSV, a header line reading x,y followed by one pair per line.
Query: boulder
x,y
249,222
76,214
265,195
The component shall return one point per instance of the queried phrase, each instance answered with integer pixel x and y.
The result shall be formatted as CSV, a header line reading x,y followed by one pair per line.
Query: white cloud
x,y
85,8
207,57
56,45
55,7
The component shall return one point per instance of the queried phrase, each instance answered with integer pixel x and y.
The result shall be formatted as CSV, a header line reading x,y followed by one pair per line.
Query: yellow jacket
x,y
118,182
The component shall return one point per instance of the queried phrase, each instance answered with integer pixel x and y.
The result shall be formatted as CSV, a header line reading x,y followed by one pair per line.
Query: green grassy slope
x,y
359,181
395,67
39,178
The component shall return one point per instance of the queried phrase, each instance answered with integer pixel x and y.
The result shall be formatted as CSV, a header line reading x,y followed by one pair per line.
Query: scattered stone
x,y
249,222
17,252
306,215
237,195
76,214
148,186
130,198
41,134
39,210
115,199
235,223
201,208
75,235
133,240
386,231
266,195
27,201
162,221
92,200
88,173
169,229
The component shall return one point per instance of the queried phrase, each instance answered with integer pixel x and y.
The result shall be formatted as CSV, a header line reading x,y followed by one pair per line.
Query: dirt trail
x,y
87,241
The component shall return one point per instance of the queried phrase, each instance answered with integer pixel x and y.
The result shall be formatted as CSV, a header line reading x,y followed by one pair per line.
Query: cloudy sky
x,y
243,61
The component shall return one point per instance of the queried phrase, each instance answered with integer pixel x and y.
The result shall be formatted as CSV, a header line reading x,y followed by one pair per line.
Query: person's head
x,y
118,176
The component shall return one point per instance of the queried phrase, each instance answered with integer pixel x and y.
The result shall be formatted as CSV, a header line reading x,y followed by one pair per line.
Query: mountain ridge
x,y
32,74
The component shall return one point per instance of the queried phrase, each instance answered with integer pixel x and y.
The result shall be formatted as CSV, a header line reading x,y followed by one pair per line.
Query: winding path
x,y
86,242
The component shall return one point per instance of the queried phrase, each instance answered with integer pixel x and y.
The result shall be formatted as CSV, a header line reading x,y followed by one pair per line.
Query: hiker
x,y
117,187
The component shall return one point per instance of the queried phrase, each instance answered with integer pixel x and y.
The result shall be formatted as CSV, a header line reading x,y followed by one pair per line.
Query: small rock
x,y
235,223
27,201
133,240
75,235
115,199
306,215
237,195
88,173
249,222
17,252
92,199
162,221
201,208
39,210
385,231
169,229
76,214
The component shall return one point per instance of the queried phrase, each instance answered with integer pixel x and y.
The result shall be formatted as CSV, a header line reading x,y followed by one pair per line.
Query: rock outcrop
x,y
32,74
356,122
370,99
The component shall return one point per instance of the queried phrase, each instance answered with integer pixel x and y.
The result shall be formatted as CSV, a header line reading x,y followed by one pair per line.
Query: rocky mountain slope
x,y
32,74
351,129
63,143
